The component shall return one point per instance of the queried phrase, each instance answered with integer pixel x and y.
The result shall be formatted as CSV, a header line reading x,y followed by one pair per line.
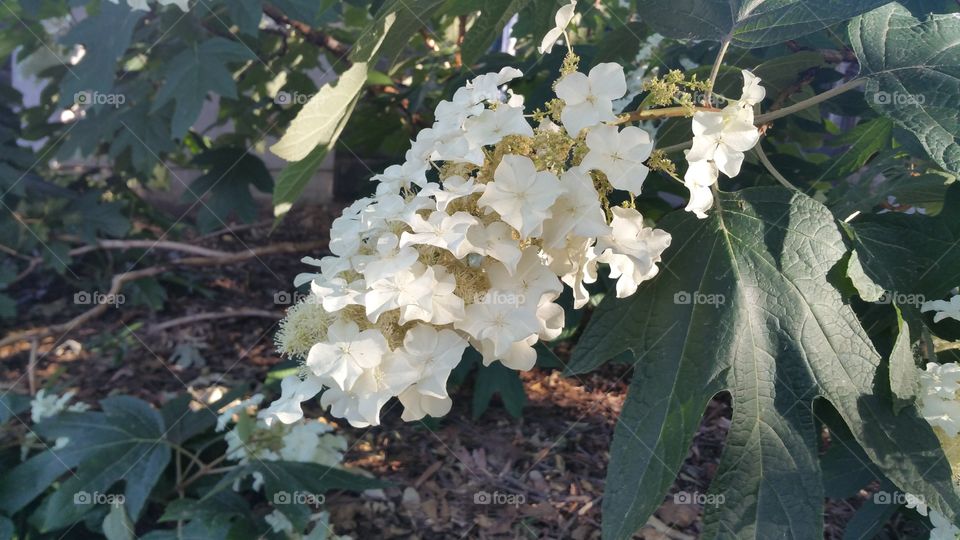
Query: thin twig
x,y
213,315
810,102
120,279
715,71
310,34
773,170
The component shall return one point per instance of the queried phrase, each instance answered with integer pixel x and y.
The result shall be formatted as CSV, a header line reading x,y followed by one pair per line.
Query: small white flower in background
x,y
939,384
561,20
943,529
916,503
944,308
619,154
279,523
44,405
588,99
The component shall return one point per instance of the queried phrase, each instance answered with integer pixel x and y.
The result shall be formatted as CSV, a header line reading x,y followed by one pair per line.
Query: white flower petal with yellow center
x,y
495,241
346,353
439,230
588,99
576,212
521,194
430,298
492,125
501,324
619,155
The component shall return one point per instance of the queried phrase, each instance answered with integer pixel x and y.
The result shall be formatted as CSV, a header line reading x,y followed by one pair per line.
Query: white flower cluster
x,y
47,405
944,308
469,242
719,140
938,396
44,405
943,529
251,438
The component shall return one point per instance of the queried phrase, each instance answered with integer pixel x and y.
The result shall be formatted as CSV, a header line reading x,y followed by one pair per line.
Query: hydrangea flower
x,y
720,139
588,99
478,257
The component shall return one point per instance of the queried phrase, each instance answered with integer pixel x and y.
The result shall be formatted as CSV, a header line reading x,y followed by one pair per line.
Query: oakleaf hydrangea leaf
x,y
744,305
914,67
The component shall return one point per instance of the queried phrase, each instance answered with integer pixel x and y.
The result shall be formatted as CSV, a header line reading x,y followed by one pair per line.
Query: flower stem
x,y
771,169
810,102
665,112
715,71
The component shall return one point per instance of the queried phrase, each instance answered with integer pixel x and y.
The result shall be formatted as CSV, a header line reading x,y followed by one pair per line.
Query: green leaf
x,y
294,177
13,405
912,255
122,443
105,36
749,23
392,28
283,479
192,74
322,119
498,379
117,526
863,142
230,172
246,14
487,27
904,375
89,217
866,287
6,528
914,70
773,331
